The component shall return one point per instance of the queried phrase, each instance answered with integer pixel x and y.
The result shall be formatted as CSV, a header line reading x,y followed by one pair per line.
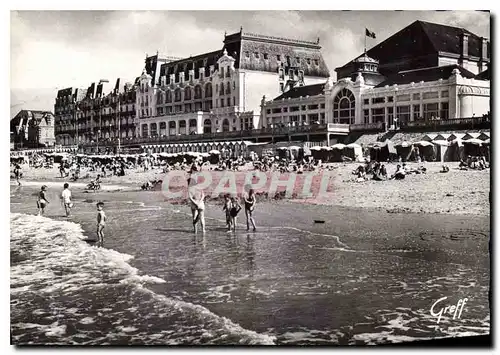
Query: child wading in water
x,y
66,199
42,200
101,223
235,209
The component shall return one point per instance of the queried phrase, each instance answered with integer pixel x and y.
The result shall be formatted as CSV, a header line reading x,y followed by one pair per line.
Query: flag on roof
x,y
369,34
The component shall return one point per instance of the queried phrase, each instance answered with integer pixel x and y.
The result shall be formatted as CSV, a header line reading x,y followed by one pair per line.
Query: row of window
x,y
257,55
300,119
198,106
295,108
406,97
177,94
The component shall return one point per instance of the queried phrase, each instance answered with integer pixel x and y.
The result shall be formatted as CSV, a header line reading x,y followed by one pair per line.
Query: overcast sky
x,y
59,49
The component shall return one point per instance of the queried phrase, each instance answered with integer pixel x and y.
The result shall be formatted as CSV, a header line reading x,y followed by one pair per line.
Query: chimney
x,y
464,44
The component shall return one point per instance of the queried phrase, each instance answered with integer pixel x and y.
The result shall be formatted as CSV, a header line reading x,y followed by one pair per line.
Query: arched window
x,y
221,89
225,125
169,97
187,94
172,128
197,92
177,94
208,90
344,107
228,88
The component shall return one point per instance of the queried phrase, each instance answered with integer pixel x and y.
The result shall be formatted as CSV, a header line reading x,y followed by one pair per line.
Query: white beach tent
x,y
338,146
317,147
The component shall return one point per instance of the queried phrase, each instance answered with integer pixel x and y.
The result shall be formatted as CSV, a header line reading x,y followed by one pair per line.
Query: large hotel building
x,y
262,88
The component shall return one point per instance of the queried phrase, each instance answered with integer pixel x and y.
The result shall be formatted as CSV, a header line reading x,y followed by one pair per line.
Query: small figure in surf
x,y
18,173
42,200
101,223
196,199
250,201
235,209
66,199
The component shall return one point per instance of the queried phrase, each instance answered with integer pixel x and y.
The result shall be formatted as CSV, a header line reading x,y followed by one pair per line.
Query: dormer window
x,y
297,60
308,61
316,61
266,56
278,58
256,54
247,54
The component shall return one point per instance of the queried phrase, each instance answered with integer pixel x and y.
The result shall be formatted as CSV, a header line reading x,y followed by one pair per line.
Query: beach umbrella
x,y
282,148
474,141
325,148
423,143
487,141
338,146
214,151
294,147
316,148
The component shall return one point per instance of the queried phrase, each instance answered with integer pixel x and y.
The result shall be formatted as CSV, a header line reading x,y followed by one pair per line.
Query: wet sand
x,y
456,192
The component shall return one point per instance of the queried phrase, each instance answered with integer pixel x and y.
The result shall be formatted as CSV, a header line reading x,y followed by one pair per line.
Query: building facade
x,y
95,114
221,91
364,97
32,129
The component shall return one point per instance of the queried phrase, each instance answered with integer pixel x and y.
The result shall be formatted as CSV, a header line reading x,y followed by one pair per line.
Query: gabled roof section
x,y
182,66
306,90
425,74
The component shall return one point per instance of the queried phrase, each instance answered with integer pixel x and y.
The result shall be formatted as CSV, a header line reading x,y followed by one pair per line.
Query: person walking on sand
x,y
101,223
66,199
42,200
250,201
196,199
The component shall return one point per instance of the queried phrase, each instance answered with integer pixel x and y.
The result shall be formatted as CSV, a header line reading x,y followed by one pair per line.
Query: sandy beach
x,y
455,192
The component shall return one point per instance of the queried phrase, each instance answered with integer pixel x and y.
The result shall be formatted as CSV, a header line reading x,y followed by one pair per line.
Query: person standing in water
x,y
250,201
196,199
235,209
101,223
42,200
66,199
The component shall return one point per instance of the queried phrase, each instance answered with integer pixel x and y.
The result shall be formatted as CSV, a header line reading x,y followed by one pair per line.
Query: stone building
x,y
32,129
95,113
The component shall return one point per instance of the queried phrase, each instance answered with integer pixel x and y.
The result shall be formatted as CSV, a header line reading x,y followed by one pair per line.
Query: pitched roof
x,y
306,90
305,55
425,74
448,38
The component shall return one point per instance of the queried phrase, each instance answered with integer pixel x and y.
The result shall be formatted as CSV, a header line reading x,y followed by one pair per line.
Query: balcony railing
x,y
376,126
469,122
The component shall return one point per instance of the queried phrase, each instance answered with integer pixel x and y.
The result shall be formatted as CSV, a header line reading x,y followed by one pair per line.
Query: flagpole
x,y
365,41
